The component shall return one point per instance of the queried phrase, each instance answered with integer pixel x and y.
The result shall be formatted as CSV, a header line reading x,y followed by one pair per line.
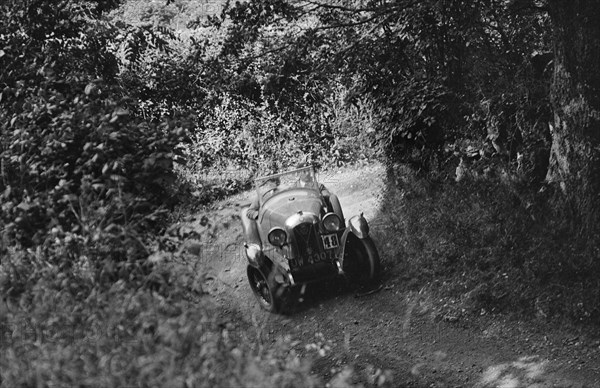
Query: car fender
x,y
359,227
335,206
254,254
264,264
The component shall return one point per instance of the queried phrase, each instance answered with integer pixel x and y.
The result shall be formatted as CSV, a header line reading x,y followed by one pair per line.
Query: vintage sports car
x,y
300,236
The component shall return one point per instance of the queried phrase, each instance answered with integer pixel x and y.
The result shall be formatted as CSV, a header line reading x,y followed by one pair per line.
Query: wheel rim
x,y
261,288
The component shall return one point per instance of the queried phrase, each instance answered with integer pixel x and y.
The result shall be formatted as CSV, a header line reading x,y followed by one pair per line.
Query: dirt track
x,y
393,333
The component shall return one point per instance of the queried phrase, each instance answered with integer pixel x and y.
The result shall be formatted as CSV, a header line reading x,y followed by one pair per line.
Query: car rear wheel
x,y
361,261
266,290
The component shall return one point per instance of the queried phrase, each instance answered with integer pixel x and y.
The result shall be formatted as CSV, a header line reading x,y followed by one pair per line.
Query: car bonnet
x,y
280,207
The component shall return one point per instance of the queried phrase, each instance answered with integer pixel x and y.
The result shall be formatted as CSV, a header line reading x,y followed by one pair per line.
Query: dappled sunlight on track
x,y
528,371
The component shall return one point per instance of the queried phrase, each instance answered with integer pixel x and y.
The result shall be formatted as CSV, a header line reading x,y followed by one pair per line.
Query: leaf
x,y
70,197
90,88
121,112
157,257
7,206
117,178
24,206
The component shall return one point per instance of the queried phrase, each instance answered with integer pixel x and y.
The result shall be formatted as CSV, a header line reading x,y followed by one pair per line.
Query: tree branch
x,y
340,7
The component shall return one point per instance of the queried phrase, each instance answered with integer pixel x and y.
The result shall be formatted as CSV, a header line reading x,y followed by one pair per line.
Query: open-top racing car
x,y
299,235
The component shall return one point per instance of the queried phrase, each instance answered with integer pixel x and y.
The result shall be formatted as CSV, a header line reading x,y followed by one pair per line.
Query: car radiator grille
x,y
311,262
307,240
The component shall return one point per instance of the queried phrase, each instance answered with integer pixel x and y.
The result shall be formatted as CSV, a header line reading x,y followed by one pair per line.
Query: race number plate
x,y
330,241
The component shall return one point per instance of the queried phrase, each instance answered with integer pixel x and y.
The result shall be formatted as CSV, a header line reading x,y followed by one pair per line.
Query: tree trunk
x,y
575,154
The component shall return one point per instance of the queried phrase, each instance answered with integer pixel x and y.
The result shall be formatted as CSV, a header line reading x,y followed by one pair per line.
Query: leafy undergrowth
x,y
167,333
491,245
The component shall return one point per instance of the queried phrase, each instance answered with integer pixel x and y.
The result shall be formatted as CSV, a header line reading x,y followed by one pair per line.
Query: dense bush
x,y
83,177
80,144
492,243
239,135
123,337
434,73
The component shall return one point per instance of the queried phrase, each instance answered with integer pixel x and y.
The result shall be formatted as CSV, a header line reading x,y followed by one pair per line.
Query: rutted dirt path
x,y
392,333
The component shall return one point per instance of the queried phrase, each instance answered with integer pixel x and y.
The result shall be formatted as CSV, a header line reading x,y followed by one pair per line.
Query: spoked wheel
x,y
265,290
361,262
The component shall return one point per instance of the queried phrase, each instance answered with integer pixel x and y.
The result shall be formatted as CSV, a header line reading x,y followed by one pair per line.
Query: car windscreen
x,y
300,178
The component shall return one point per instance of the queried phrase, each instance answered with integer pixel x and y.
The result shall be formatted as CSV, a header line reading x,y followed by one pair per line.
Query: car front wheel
x,y
266,290
361,261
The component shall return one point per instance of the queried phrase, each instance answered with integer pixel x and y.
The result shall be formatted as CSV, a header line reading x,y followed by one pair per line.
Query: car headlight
x,y
331,222
277,237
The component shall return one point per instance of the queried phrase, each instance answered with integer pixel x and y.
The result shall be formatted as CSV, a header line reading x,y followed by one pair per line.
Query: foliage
x,y
104,121
434,72
492,244
67,146
126,337
84,180
91,128
176,15
238,134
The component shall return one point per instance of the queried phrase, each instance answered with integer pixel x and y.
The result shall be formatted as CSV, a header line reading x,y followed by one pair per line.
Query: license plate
x,y
330,241
326,256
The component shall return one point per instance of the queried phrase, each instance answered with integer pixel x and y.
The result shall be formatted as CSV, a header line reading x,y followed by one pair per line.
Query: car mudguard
x,y
359,227
335,206
250,228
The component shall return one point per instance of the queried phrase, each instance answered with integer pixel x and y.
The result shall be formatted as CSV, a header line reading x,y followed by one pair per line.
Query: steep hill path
x,y
394,336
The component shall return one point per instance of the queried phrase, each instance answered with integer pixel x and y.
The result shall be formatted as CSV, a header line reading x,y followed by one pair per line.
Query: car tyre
x,y
362,264
266,290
